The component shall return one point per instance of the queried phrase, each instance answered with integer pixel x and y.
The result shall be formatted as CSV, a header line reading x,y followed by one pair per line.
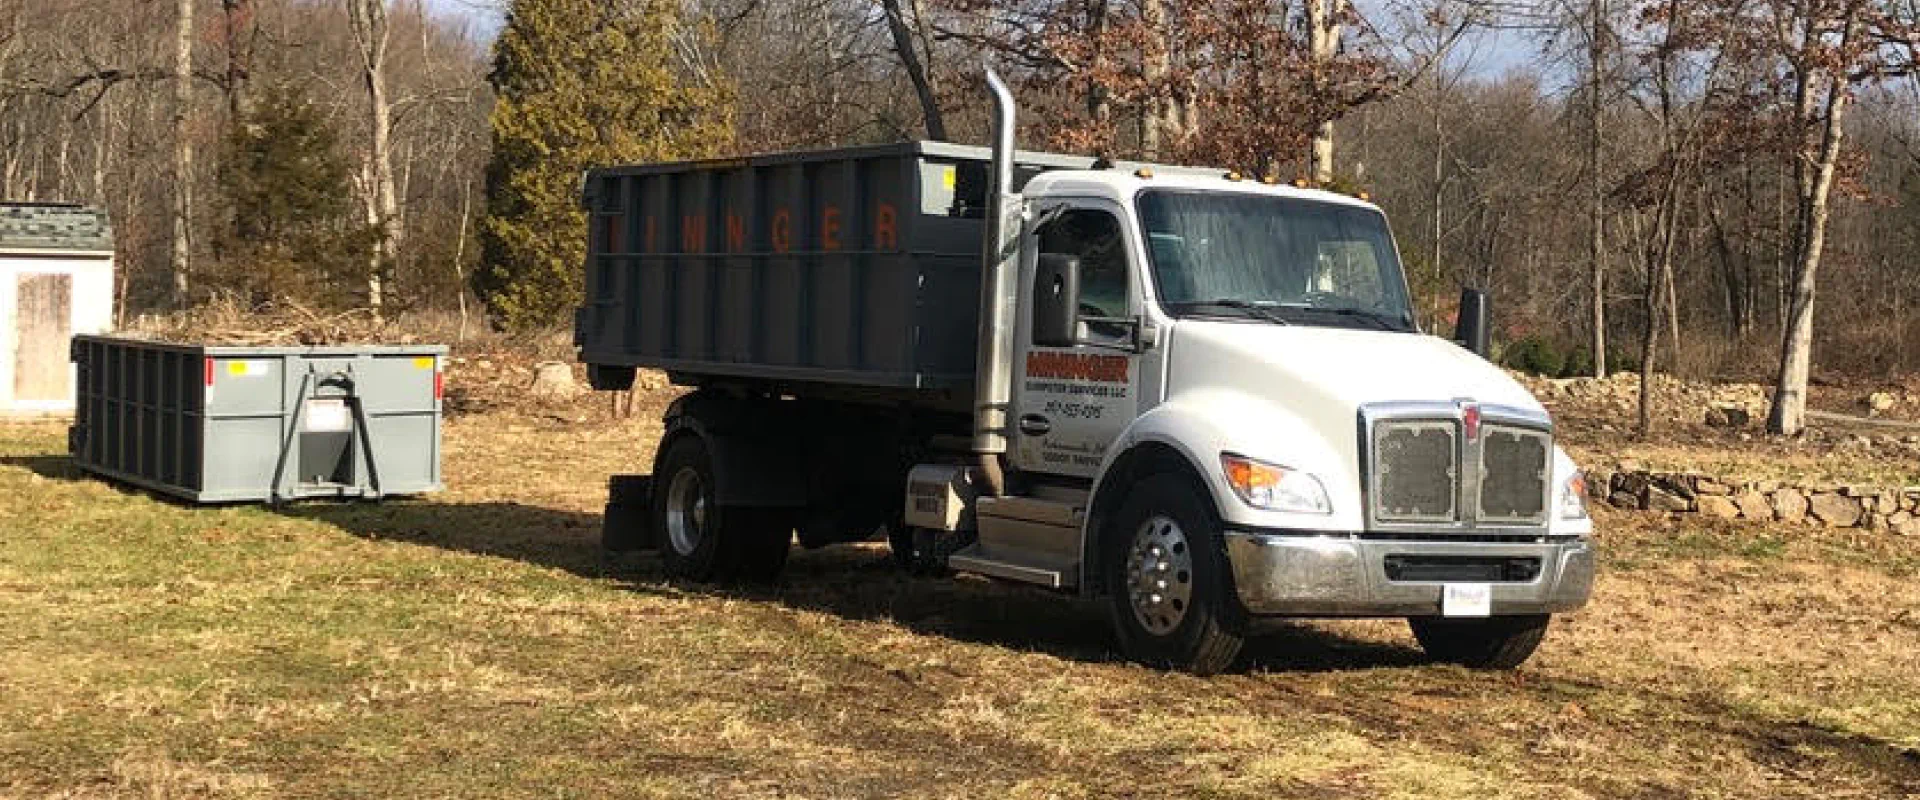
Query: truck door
x,y
1071,403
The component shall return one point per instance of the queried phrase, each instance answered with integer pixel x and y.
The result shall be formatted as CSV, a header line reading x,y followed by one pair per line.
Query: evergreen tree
x,y
288,194
580,83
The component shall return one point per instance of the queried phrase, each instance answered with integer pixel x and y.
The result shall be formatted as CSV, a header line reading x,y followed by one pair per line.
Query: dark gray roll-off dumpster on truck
x,y
1199,397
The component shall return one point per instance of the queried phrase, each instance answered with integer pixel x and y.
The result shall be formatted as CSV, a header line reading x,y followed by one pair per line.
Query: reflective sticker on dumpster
x,y
1467,600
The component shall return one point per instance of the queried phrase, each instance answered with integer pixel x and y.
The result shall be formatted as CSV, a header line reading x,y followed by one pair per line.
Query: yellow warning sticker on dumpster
x,y
247,368
947,177
423,362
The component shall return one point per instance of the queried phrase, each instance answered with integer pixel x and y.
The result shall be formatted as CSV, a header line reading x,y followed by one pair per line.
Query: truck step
x,y
1025,567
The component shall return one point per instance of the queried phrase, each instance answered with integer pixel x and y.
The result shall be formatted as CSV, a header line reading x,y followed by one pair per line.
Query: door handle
x,y
1034,425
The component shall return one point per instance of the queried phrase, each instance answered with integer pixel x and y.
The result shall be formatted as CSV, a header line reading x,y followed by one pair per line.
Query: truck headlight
x,y
1274,487
1573,497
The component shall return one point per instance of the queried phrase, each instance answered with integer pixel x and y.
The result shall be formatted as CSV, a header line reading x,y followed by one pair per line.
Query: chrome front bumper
x,y
1342,575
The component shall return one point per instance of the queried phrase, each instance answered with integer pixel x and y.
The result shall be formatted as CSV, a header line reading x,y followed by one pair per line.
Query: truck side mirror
x,y
1471,329
1056,300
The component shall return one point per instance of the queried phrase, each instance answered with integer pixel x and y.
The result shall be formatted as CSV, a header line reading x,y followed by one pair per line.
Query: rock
x,y
651,381
1705,485
554,379
1623,500
1719,507
1753,505
1659,499
1727,415
1599,484
1880,402
1835,510
1789,505
1676,484
1904,524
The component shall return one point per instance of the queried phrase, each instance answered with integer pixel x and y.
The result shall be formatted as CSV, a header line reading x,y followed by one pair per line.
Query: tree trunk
x,y
1435,229
180,263
368,19
1154,69
905,47
1788,414
1323,44
1597,199
240,27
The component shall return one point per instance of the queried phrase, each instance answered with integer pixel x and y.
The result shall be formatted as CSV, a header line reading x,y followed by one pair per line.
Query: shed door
x,y
46,321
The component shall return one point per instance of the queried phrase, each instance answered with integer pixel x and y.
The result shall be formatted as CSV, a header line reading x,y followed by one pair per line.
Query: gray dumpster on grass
x,y
221,424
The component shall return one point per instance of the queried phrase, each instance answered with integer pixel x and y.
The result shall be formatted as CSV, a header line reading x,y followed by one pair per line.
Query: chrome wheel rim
x,y
1160,575
686,511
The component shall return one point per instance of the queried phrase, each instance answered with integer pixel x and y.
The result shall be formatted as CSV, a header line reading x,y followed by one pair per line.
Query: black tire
x,y
1486,643
1202,634
708,542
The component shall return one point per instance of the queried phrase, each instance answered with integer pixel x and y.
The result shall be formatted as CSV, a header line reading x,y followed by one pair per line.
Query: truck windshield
x,y
1281,259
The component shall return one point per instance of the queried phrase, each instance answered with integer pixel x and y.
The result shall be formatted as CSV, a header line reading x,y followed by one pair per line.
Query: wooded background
x,y
1634,180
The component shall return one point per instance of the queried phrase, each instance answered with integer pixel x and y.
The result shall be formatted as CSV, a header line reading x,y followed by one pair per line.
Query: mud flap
x,y
628,524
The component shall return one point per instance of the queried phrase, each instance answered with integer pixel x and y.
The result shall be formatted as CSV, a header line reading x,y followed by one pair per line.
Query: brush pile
x,y
283,324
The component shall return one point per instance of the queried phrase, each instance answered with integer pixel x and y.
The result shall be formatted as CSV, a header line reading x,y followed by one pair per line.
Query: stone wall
x,y
1880,508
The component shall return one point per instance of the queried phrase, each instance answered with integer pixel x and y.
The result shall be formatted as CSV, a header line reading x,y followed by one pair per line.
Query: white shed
x,y
56,280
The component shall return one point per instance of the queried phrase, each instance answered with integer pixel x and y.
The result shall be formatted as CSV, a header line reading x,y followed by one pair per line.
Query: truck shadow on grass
x,y
853,582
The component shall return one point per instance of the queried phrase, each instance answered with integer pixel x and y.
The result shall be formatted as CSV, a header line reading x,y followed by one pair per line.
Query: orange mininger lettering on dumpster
x,y
736,233
1077,366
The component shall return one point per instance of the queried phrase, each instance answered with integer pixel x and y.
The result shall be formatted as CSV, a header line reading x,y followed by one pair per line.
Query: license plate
x,y
327,416
1467,600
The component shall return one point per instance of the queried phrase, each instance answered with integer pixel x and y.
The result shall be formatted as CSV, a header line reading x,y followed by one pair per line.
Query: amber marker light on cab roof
x,y
1143,172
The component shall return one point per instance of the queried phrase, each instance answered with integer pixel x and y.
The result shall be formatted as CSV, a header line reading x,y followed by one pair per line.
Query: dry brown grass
x,y
477,643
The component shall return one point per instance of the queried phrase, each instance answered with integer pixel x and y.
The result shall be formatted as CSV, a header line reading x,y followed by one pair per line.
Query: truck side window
x,y
1095,237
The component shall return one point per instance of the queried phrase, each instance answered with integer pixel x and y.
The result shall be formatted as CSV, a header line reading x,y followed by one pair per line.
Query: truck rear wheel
x,y
1169,592
1485,643
700,540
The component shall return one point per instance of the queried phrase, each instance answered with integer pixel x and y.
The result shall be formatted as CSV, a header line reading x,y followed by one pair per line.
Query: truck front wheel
x,y
700,540
1170,596
1486,643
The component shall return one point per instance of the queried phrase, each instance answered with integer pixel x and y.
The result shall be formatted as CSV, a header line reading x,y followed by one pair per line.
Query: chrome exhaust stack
x,y
993,369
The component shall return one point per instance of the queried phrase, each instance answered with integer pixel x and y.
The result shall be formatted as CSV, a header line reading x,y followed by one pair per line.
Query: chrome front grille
x,y
1515,465
1416,471
1456,466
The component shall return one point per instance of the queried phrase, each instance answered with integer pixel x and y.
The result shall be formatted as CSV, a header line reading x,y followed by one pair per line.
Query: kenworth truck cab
x,y
1202,398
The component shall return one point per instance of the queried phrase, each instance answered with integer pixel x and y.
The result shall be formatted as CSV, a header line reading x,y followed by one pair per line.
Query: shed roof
x,y
40,227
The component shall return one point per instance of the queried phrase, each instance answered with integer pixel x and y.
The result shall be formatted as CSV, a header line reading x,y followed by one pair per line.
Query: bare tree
x,y
907,43
1597,37
182,259
1324,24
368,21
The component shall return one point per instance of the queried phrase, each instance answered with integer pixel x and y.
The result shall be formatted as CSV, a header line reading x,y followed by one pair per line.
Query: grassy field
x,y
478,644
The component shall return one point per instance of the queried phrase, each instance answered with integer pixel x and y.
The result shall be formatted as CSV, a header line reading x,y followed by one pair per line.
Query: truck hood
x,y
1337,369
1291,395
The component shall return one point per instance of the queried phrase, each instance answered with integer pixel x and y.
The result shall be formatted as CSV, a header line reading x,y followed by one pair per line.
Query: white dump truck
x,y
1201,398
